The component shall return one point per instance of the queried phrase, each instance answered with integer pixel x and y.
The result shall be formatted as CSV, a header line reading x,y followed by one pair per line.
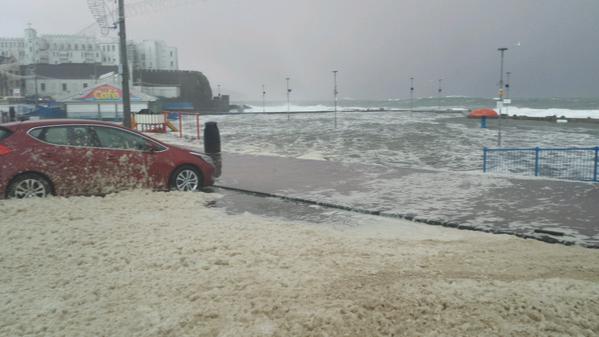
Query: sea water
x,y
446,141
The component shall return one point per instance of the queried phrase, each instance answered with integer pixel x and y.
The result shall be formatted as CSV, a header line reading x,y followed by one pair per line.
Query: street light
x,y
501,94
440,90
288,98
507,91
335,92
411,93
263,98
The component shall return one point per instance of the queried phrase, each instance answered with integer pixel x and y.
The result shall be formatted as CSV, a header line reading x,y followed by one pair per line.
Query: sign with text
x,y
105,93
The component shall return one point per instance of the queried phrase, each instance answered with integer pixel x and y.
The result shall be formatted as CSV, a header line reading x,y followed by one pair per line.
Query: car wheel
x,y
29,185
186,179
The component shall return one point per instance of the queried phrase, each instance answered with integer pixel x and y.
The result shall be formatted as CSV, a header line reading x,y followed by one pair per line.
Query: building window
x,y
64,87
171,54
43,86
84,85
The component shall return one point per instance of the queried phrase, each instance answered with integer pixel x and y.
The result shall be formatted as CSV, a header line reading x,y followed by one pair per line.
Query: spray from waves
x,y
569,108
568,113
309,108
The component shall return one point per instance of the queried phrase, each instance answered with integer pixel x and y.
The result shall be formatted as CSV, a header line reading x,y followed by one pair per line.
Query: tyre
x,y
29,185
186,179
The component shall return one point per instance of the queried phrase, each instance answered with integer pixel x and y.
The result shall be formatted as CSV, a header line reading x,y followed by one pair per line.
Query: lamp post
x,y
288,98
124,66
263,98
440,91
501,94
411,93
507,91
335,93
218,90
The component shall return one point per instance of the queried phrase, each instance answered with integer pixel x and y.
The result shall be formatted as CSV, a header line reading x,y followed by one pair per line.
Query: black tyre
x,y
186,179
29,185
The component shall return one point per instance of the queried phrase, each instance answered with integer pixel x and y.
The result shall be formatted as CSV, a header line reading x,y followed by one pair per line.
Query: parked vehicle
x,y
75,157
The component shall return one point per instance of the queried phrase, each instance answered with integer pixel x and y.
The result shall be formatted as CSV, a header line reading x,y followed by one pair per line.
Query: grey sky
x,y
376,45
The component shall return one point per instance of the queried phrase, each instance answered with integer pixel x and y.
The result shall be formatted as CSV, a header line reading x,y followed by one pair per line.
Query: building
x,y
103,102
10,77
193,86
61,80
52,69
58,49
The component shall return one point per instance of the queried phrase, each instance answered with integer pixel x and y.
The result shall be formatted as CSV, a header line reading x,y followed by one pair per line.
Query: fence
x,y
182,124
564,163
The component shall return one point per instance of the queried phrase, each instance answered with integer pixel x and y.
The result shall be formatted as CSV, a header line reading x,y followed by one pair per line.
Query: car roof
x,y
49,122
29,124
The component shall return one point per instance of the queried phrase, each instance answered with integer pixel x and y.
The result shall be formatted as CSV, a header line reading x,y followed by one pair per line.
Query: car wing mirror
x,y
153,148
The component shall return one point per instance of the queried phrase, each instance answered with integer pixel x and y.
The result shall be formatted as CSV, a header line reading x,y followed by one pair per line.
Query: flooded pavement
x,y
551,210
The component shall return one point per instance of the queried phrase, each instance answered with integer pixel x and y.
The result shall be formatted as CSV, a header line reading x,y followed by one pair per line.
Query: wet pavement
x,y
550,210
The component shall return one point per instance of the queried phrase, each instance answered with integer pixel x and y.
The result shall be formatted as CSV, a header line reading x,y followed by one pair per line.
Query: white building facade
x,y
59,49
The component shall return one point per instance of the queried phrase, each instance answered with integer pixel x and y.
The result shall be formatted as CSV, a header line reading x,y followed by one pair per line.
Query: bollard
x,y
211,138
12,114
483,122
212,145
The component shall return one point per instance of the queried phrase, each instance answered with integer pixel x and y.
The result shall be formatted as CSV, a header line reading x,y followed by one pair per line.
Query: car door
x,y
66,154
127,157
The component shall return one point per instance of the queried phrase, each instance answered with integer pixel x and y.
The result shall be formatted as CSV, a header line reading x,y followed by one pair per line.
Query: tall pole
x,y
507,91
218,90
35,83
263,98
124,66
411,93
335,93
440,91
501,94
288,98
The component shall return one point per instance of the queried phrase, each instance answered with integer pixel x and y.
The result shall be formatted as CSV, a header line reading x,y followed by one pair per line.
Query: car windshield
x,y
4,133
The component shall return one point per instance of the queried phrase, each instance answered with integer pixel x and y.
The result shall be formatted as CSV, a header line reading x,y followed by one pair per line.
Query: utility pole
x,y
335,93
288,98
501,94
263,98
507,91
411,93
35,83
440,90
124,66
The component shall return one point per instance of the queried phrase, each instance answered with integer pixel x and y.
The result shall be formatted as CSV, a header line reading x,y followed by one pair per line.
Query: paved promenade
x,y
551,210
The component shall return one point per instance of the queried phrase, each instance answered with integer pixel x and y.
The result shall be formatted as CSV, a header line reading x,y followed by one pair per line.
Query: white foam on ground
x,y
163,264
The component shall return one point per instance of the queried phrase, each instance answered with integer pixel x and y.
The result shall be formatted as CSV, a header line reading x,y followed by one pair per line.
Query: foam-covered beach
x,y
168,264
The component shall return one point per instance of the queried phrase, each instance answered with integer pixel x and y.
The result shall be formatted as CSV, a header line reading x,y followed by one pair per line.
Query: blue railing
x,y
574,163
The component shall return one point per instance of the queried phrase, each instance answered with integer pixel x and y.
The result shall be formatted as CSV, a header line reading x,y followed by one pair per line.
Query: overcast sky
x,y
376,45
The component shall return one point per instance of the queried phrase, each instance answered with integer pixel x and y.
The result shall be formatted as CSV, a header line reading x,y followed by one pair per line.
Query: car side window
x,y
118,139
4,133
56,135
80,136
65,135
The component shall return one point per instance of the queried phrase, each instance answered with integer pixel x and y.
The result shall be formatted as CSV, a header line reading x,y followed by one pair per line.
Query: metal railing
x,y
572,163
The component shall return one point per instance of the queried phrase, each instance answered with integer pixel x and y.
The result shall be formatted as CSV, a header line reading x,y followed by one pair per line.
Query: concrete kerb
x,y
414,218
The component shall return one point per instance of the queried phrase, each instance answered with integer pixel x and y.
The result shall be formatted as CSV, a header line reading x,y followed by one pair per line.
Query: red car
x,y
75,157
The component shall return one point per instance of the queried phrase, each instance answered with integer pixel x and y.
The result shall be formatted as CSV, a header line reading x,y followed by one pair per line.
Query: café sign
x,y
105,93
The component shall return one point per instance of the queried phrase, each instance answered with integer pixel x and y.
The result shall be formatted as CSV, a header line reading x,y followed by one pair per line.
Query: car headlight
x,y
204,157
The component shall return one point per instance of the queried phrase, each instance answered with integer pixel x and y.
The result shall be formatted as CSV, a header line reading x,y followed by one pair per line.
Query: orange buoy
x,y
480,113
